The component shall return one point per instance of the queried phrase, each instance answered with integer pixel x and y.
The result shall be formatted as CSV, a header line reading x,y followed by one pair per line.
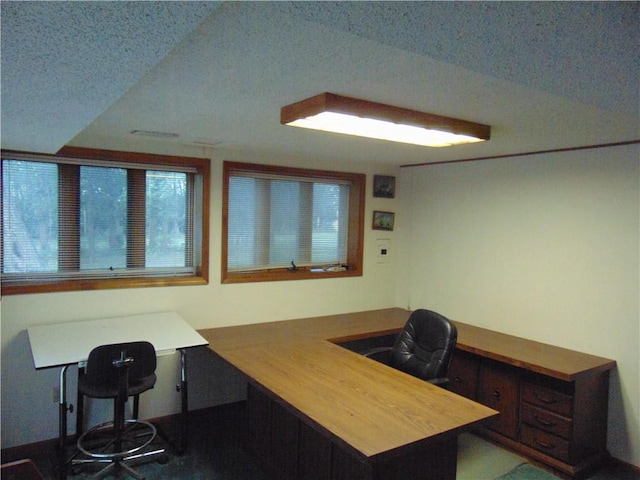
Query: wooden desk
x,y
552,401
320,411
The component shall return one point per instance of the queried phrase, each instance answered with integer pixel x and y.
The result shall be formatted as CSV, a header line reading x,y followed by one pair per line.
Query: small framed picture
x,y
383,220
384,186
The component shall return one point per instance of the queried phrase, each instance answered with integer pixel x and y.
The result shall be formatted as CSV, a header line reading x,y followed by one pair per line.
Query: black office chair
x,y
117,371
423,348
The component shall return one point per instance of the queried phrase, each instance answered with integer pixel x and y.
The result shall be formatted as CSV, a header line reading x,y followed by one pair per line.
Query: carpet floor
x,y
527,472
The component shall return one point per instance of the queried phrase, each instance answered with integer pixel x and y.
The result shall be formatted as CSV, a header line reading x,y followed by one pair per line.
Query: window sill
x,y
284,274
78,285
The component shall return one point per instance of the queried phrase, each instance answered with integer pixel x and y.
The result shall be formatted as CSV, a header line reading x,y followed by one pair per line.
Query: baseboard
x,y
30,450
21,469
626,468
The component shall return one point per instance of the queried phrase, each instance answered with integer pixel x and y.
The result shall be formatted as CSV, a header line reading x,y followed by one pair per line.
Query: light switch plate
x,y
383,250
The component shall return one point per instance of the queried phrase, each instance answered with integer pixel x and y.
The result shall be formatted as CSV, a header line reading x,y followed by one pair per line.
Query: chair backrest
x,y
100,369
425,345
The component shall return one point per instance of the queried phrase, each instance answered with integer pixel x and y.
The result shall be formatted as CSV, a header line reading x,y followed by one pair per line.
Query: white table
x,y
65,344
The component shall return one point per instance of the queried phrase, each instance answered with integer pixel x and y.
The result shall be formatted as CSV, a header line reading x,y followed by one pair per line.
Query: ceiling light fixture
x,y
351,116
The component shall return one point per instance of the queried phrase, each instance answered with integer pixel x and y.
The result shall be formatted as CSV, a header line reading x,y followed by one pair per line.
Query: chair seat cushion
x,y
99,390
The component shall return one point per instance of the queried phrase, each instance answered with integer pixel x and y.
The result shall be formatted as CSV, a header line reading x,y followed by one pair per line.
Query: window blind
x,y
74,219
275,220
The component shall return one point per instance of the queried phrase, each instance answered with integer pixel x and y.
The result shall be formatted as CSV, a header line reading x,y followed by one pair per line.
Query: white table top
x,y
69,343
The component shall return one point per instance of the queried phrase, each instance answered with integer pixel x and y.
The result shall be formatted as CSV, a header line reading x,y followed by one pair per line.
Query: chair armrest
x,y
380,354
441,382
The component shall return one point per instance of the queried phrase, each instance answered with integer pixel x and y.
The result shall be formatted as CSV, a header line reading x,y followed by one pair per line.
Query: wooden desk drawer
x,y
546,420
499,388
544,442
463,374
547,398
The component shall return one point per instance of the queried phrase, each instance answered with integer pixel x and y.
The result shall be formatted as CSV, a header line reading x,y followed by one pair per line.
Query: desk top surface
x,y
69,343
550,360
373,408
557,362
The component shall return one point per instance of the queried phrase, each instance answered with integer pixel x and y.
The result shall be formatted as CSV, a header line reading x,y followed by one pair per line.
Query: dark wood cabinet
x,y
315,457
499,388
273,435
285,430
546,443
553,402
259,426
463,374
546,420
290,447
566,421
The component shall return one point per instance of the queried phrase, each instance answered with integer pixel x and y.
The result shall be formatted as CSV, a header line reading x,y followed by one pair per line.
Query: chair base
x,y
99,446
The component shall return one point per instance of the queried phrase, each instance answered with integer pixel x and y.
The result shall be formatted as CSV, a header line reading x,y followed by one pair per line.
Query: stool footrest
x,y
99,446
148,435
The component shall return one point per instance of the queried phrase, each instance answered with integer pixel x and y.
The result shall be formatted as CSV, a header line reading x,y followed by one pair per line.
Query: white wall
x,y
28,412
543,247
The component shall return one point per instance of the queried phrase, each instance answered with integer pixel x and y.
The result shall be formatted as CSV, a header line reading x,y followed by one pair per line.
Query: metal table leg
x,y
62,425
180,446
184,414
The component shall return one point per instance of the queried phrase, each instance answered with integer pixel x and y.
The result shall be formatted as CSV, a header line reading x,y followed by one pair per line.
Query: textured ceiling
x,y
64,63
544,75
566,48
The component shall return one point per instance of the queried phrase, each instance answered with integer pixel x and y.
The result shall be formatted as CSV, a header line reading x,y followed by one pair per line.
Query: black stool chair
x,y
117,371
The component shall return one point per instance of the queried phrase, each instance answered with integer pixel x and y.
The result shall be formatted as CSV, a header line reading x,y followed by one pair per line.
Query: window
x,y
92,219
290,223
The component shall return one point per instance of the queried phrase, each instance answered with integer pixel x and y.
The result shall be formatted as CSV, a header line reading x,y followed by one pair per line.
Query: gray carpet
x,y
215,450
526,471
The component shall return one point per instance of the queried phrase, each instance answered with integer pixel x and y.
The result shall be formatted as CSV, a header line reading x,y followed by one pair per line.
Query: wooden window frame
x,y
201,275
355,236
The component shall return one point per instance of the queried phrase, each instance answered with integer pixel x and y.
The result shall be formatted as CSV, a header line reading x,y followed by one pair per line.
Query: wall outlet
x,y
55,394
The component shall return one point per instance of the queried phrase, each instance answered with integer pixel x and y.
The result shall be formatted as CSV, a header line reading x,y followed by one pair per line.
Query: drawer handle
x,y
546,400
496,394
458,380
544,422
548,446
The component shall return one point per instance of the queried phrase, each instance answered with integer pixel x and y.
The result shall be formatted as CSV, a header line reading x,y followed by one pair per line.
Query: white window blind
x,y
274,220
74,219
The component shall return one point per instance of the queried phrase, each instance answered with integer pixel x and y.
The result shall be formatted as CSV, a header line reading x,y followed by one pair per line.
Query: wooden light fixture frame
x,y
367,109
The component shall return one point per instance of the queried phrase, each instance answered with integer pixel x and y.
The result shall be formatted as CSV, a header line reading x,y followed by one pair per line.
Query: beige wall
x,y
543,247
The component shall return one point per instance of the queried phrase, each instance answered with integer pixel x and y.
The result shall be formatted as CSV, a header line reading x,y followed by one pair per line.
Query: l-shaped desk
x,y
320,411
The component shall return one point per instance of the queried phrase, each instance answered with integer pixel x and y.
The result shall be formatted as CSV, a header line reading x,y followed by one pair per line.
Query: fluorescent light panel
x,y
335,113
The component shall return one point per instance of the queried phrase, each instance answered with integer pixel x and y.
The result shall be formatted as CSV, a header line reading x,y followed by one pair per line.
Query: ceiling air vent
x,y
150,133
